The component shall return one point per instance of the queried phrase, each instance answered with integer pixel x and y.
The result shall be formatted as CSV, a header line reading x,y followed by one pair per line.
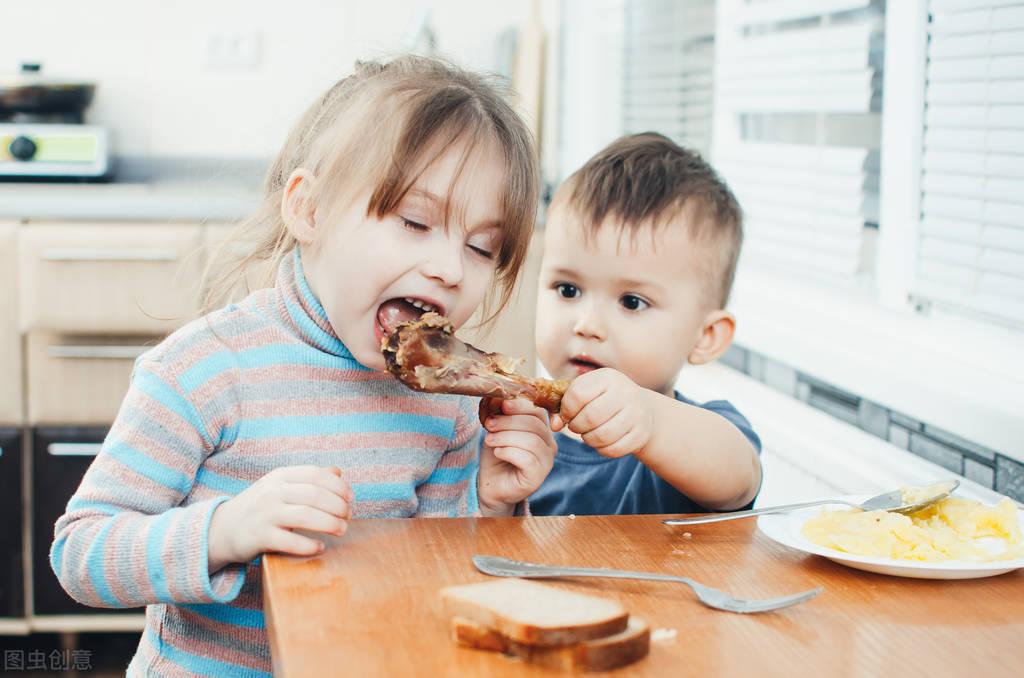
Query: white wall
x,y
161,95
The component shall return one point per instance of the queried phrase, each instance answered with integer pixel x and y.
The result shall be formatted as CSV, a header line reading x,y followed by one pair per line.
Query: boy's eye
x,y
631,302
567,291
415,225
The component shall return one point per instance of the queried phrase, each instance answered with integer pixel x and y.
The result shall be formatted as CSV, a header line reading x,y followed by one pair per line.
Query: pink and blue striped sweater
x,y
221,402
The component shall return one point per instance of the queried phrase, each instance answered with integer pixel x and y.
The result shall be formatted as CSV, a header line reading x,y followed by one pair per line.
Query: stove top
x,y
53,148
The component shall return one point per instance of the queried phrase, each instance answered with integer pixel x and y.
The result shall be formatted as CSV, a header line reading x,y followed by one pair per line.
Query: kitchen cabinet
x,y
82,302
12,586
10,342
220,246
60,457
79,380
84,278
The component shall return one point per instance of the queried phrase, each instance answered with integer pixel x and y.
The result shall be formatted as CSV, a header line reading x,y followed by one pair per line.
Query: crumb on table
x,y
663,634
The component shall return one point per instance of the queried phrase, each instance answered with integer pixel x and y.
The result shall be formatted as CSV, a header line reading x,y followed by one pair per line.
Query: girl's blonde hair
x,y
378,130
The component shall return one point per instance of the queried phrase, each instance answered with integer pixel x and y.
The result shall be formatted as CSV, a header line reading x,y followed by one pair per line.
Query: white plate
x,y
786,529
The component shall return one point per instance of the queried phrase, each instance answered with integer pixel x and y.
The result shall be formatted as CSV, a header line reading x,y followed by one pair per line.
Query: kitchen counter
x,y
370,603
144,190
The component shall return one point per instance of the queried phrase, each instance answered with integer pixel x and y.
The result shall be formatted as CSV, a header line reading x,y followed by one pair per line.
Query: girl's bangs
x,y
425,140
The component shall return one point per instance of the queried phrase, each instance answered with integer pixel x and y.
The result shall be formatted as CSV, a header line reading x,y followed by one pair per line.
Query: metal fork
x,y
719,600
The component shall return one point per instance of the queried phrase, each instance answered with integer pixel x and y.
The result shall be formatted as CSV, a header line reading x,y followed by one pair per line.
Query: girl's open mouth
x,y
399,310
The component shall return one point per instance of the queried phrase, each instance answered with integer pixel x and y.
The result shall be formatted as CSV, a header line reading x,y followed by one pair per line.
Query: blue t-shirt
x,y
582,482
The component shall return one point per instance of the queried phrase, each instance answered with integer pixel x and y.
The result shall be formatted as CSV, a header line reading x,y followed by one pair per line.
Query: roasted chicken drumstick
x,y
426,355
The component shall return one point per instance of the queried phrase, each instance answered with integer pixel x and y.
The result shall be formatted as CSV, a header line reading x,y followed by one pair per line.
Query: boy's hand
x,y
610,412
517,454
264,516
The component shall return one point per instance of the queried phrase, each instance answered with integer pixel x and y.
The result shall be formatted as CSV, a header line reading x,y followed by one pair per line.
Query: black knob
x,y
22,148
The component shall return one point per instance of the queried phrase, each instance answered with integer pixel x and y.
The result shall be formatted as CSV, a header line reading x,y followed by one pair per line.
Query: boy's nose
x,y
589,324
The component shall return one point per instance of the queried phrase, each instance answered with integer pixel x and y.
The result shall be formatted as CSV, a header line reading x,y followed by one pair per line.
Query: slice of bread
x,y
535,614
599,654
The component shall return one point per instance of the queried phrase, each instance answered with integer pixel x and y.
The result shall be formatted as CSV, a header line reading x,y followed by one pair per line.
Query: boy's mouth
x,y
402,309
584,364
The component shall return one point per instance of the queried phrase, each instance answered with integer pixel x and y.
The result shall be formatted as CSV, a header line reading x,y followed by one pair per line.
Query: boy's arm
x,y
700,453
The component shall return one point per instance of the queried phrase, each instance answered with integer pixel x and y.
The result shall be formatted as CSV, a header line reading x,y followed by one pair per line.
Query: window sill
x,y
957,374
836,457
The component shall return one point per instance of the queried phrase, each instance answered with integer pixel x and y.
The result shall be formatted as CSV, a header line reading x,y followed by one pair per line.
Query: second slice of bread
x,y
600,654
535,614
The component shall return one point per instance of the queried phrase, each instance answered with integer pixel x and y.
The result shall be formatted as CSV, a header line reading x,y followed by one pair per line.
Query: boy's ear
x,y
715,338
297,209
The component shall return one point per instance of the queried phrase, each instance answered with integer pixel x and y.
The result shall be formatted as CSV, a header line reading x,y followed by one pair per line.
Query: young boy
x,y
640,250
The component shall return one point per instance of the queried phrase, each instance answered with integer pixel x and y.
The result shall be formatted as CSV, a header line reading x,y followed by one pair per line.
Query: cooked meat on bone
x,y
425,355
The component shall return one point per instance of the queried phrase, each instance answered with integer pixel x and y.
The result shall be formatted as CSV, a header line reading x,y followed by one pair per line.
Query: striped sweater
x,y
221,402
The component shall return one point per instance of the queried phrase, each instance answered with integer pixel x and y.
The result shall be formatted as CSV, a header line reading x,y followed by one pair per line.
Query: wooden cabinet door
x,y
221,248
89,278
79,379
60,457
12,581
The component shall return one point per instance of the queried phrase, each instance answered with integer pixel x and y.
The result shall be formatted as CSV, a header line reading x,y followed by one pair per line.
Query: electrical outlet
x,y
234,50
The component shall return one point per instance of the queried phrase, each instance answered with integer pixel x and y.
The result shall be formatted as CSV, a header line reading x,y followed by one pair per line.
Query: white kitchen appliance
x,y
55,151
42,130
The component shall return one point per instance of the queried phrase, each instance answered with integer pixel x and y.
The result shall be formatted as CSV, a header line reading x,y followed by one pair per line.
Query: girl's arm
x,y
124,540
450,491
496,475
516,455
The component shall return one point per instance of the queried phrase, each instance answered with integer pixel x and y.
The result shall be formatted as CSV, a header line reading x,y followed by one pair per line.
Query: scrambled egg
x,y
951,529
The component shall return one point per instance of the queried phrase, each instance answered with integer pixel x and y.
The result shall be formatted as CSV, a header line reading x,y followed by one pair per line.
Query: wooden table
x,y
369,605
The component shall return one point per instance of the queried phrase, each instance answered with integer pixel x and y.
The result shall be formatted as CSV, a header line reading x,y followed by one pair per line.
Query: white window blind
x,y
591,79
669,62
797,127
970,246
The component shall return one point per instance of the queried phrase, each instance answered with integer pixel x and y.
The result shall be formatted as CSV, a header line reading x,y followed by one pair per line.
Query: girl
x,y
409,186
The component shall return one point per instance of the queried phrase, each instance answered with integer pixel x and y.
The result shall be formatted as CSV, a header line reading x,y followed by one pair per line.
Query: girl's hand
x,y
517,454
610,412
263,517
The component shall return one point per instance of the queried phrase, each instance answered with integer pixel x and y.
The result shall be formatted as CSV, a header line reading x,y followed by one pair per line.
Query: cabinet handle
x,y
97,352
73,449
107,255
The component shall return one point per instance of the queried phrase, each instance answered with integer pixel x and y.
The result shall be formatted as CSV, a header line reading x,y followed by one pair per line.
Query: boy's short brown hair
x,y
648,180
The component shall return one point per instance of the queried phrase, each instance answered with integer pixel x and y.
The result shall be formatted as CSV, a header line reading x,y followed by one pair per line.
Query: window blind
x,y
669,63
970,246
591,97
797,127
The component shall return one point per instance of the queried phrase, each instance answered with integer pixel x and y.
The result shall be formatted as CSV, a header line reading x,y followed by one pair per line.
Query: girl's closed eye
x,y
414,225
567,290
483,246
634,303
486,254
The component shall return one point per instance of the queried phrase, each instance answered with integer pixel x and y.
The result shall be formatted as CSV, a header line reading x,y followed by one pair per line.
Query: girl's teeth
x,y
422,305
